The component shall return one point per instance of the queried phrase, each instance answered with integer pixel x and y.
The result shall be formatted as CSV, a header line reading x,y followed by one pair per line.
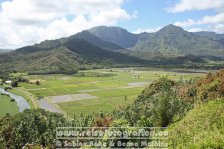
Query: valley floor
x,y
94,90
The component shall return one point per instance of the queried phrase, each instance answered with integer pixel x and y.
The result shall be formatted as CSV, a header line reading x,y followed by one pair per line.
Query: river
x,y
21,102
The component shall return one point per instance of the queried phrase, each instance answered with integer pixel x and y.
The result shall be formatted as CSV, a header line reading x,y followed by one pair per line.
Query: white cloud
x,y
148,30
189,22
218,28
195,30
29,21
210,23
219,18
216,19
188,5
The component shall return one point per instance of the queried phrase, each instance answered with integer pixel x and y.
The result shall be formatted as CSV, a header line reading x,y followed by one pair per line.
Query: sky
x,y
26,22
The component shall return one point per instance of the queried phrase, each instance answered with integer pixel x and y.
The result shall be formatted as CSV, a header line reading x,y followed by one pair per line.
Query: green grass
x,y
7,106
52,85
110,88
95,105
17,92
83,109
43,92
117,92
202,127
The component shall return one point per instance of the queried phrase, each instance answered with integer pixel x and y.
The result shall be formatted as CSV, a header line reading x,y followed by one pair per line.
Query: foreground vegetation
x,y
202,127
192,110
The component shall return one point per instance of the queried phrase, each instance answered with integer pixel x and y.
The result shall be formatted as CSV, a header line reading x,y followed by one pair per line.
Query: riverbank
x,y
21,91
7,106
21,102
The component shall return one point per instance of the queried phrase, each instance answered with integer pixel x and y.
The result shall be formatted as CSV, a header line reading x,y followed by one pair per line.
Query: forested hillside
x,y
167,42
116,35
212,35
4,50
86,35
66,55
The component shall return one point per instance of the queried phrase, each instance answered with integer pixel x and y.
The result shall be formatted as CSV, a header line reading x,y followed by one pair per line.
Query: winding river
x,y
21,102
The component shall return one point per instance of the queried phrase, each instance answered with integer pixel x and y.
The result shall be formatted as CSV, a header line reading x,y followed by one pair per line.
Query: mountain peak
x,y
107,28
115,35
171,27
94,40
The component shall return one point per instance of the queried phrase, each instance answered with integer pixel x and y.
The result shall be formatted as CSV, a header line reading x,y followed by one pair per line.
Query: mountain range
x,y
65,55
170,40
212,35
112,47
4,50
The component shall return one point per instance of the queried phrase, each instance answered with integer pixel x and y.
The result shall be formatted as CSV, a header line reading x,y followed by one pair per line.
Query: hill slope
x,y
212,35
192,110
4,50
86,35
167,42
202,127
116,35
65,55
174,40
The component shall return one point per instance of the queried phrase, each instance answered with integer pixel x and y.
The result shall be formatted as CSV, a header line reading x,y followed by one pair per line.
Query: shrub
x,y
12,100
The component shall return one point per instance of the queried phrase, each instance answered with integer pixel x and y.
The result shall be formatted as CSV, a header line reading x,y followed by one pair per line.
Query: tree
x,y
15,84
125,98
31,126
37,82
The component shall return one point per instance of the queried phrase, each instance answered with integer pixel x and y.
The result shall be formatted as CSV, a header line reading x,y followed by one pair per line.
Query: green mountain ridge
x,y
66,55
173,40
168,42
4,50
86,35
116,35
210,35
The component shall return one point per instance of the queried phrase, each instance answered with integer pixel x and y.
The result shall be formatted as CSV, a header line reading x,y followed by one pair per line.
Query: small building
x,y
8,81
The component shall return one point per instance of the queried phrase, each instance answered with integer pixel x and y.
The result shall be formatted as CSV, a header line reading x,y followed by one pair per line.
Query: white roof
x,y
8,81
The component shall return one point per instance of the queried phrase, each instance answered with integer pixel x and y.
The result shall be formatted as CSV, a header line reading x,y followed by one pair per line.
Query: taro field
x,y
95,90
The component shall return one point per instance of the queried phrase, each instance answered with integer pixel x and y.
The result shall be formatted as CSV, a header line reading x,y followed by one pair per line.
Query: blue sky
x,y
26,22
153,14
